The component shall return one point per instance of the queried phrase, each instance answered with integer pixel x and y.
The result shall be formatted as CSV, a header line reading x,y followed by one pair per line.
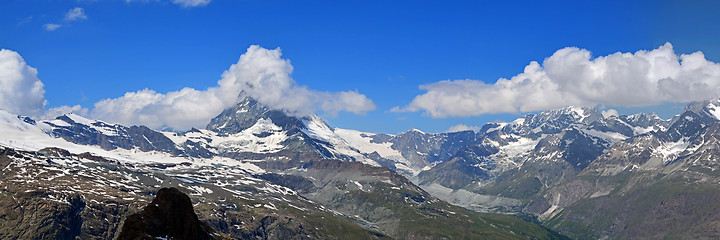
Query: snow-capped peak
x,y
416,130
79,119
713,108
710,108
579,112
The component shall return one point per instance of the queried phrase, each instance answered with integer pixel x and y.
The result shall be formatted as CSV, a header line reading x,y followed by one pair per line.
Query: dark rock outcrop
x,y
169,215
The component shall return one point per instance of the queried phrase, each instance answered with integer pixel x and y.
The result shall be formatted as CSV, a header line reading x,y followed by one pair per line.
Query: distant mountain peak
x,y
709,107
580,114
246,113
415,130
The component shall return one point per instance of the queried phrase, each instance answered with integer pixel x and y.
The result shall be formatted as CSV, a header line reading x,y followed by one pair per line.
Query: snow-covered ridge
x,y
263,137
18,134
363,142
260,135
669,151
106,129
518,147
315,127
713,108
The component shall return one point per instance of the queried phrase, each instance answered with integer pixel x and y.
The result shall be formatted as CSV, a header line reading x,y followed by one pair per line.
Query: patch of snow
x,y
579,112
714,110
521,146
249,141
671,150
175,137
200,190
60,123
360,186
500,126
519,121
416,130
611,137
20,135
639,130
318,129
79,119
362,142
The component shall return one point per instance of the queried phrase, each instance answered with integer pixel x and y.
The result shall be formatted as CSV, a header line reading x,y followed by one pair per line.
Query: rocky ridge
x,y
269,180
558,166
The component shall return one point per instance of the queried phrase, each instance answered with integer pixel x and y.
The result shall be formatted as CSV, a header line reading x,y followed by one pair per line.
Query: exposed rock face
x,y
350,200
422,149
257,174
654,185
520,158
246,113
59,220
82,196
169,215
43,199
111,136
592,176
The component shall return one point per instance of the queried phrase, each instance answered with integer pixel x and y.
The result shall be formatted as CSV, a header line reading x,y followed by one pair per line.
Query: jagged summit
x,y
643,120
521,166
309,134
246,113
708,108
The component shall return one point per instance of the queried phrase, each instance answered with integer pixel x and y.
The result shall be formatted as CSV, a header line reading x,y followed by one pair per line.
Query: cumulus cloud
x,y
259,73
179,110
462,127
51,27
191,3
610,112
22,92
571,76
74,14
62,110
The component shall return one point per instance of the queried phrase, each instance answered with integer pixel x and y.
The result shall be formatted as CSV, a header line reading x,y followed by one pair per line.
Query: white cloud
x,y
349,101
572,77
77,13
62,110
71,15
462,127
51,26
22,92
610,112
179,110
259,73
191,3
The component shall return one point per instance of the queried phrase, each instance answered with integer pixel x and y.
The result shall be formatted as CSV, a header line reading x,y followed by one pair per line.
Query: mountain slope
x,y
277,177
169,215
659,184
521,158
571,168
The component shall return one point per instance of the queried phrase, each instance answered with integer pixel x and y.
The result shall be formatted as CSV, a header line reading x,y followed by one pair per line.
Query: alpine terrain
x,y
261,173
252,173
578,171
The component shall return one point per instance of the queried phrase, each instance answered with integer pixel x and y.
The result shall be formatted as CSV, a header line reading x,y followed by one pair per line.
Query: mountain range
x,y
261,173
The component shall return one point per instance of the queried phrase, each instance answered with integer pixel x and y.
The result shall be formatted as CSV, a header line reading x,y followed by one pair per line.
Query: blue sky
x,y
382,49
